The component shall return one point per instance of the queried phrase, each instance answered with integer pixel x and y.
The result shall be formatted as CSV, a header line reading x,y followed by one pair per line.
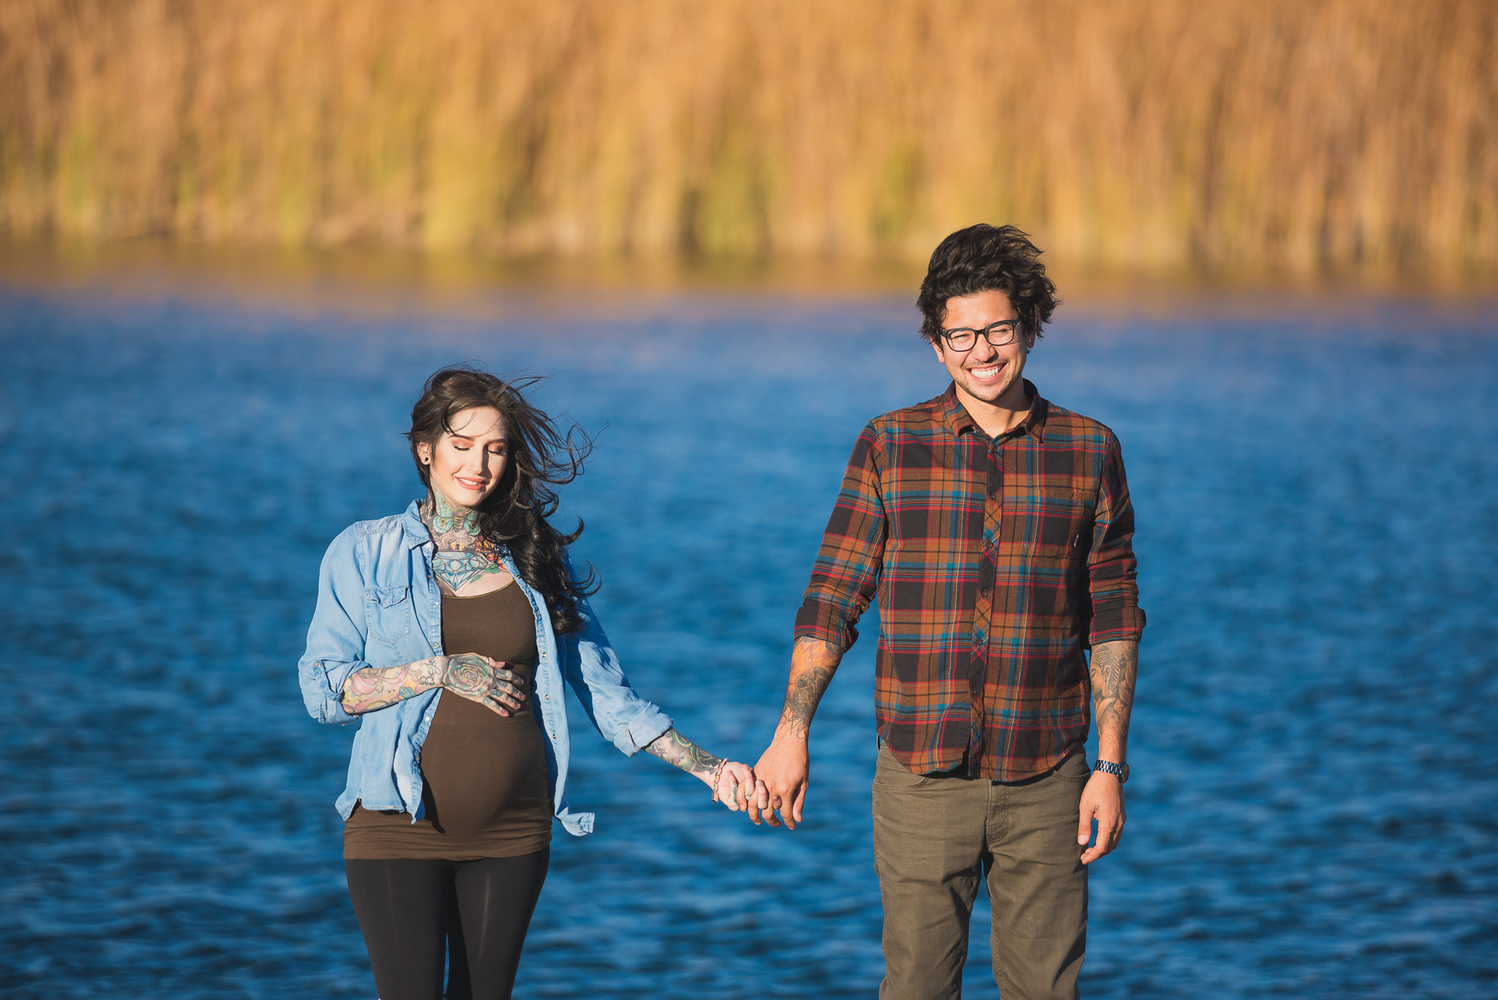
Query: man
x,y
995,530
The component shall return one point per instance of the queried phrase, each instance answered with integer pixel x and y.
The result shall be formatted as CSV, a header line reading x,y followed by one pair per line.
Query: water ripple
x,y
1313,755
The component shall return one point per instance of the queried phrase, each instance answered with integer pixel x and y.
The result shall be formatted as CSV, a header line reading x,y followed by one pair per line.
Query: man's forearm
x,y
785,766
813,662
1114,667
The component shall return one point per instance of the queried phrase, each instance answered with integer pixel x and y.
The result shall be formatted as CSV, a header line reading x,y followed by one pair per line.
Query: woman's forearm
x,y
469,675
373,688
676,749
733,783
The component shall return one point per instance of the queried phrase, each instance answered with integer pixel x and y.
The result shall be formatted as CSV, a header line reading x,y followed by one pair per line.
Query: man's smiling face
x,y
985,374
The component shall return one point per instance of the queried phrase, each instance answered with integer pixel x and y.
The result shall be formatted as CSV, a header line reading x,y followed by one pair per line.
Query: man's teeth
x,y
986,372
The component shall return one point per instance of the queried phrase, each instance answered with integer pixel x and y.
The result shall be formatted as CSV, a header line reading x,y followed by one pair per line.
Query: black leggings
x,y
415,913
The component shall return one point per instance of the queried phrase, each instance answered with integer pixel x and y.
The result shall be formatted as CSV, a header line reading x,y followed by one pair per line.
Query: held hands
x,y
736,786
1102,799
732,783
784,772
484,680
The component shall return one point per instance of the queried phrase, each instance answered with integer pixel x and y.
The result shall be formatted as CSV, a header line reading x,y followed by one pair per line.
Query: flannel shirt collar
x,y
955,415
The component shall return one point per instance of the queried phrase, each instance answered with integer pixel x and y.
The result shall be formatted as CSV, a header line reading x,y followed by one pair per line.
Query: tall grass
x,y
1227,133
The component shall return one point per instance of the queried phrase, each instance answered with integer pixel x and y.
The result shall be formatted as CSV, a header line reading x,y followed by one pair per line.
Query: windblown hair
x,y
516,514
985,258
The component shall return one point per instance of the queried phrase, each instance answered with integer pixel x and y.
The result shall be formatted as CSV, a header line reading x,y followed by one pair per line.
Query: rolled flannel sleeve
x,y
335,639
1111,565
845,577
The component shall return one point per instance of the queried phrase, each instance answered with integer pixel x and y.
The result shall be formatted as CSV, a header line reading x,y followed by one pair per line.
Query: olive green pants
x,y
935,836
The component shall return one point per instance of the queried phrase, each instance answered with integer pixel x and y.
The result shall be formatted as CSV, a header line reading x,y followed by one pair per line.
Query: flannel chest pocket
x,y
1057,523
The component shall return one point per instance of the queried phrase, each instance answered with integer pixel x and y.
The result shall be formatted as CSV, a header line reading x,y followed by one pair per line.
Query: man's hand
x,y
1102,800
784,767
1113,667
785,770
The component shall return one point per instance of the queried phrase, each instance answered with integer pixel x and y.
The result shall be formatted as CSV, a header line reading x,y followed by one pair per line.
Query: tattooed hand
x,y
484,680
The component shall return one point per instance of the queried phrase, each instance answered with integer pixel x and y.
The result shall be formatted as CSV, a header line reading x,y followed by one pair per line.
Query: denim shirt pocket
x,y
387,613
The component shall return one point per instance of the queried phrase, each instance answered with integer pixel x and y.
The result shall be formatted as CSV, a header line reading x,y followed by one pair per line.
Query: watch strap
x,y
1119,771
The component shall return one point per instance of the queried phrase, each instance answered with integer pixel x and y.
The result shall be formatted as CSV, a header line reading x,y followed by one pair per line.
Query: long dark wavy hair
x,y
516,514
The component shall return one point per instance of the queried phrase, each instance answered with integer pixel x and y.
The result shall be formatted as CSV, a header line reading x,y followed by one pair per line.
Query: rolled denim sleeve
x,y
592,668
335,639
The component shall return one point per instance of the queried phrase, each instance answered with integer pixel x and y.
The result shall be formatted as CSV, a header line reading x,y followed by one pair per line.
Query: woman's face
x,y
465,465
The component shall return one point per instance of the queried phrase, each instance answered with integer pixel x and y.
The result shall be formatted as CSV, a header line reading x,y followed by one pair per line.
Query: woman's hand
x,y
736,787
484,680
733,783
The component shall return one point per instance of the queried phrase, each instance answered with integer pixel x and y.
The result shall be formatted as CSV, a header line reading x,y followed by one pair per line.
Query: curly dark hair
x,y
985,258
516,513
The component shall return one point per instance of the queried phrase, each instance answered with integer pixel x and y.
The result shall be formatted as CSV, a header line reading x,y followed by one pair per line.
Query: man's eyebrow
x,y
984,326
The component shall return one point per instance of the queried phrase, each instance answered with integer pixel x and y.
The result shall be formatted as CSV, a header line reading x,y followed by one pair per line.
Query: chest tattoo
x,y
457,568
463,552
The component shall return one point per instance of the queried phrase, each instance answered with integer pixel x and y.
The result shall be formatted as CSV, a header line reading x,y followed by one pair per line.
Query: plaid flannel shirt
x,y
995,562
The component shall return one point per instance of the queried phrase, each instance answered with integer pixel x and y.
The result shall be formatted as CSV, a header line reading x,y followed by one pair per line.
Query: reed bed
x,y
1306,134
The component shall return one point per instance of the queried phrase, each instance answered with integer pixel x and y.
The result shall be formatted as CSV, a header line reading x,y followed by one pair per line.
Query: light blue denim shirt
x,y
378,606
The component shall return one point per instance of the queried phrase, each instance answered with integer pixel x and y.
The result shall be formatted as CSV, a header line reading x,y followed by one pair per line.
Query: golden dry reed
x,y
1147,133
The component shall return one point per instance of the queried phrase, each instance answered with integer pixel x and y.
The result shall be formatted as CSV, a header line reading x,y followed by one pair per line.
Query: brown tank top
x,y
485,793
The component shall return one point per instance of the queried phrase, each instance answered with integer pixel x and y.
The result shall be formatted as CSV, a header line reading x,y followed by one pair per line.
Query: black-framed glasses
x,y
1000,334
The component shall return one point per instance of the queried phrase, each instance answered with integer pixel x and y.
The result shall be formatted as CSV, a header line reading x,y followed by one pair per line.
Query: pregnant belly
x,y
483,771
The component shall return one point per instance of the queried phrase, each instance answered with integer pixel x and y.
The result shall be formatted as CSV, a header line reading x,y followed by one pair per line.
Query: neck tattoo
x,y
443,518
463,552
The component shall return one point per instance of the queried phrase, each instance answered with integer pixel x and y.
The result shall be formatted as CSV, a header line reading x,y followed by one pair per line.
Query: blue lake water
x,y
1314,807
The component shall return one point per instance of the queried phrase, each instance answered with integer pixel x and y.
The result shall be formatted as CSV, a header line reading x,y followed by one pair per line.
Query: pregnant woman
x,y
447,631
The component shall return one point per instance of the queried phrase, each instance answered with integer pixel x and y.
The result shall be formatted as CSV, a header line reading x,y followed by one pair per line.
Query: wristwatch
x,y
1119,771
